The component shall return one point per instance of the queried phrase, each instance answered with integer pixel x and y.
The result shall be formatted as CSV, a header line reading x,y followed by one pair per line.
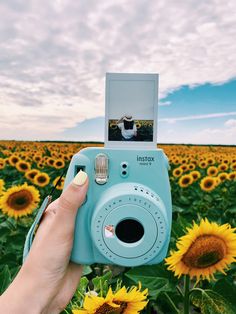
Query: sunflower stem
x,y
171,303
180,291
186,294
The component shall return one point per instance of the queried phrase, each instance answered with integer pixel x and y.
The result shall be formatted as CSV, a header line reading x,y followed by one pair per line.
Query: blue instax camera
x,y
126,217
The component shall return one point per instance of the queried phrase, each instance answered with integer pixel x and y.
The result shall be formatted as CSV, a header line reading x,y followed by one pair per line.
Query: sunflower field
x,y
199,272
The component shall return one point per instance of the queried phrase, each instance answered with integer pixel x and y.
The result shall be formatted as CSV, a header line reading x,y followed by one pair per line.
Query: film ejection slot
x,y
101,169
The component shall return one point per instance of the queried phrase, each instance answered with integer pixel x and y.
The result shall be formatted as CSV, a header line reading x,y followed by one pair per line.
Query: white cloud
x,y
216,136
202,116
54,54
164,103
231,123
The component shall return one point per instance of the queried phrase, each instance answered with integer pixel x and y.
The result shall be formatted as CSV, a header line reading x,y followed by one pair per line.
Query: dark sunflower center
x,y
106,309
208,183
19,200
185,181
223,177
123,305
59,163
23,166
206,250
41,179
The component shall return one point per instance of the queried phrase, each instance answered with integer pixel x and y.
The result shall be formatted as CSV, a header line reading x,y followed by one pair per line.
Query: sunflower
x,y
203,164
50,161
185,181
2,183
132,301
60,184
184,167
41,179
223,167
226,161
30,174
210,161
37,158
212,171
40,165
98,305
191,166
223,176
19,200
195,175
231,176
59,163
233,166
177,172
176,161
22,166
205,249
2,163
13,160
208,184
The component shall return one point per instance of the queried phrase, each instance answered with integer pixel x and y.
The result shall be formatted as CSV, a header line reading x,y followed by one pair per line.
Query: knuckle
x,y
64,203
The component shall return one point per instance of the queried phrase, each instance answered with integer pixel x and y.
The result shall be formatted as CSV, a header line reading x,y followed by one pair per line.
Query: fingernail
x,y
80,178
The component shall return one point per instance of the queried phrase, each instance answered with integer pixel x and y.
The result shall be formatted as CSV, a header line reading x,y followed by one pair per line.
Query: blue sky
x,y
54,56
206,113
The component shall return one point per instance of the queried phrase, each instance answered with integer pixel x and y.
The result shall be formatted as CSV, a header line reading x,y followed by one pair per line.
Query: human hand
x,y
47,279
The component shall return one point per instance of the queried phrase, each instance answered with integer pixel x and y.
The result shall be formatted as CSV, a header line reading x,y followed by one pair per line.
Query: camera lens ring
x,y
123,204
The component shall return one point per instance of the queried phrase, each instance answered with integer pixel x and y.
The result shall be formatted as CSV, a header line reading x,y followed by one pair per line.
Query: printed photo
x,y
131,102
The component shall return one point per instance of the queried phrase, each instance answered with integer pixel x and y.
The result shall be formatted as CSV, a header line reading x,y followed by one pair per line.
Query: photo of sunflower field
x,y
199,273
144,130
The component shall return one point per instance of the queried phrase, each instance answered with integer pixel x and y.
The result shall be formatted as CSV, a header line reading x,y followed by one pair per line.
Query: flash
x,y
101,169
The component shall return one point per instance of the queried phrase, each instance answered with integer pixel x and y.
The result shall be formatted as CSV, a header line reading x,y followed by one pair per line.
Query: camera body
x,y
126,217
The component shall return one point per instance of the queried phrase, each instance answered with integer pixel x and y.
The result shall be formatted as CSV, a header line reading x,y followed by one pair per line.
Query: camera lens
x,y
129,231
124,166
124,173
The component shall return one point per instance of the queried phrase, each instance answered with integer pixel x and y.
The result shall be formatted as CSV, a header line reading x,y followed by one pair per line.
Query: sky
x,y
54,56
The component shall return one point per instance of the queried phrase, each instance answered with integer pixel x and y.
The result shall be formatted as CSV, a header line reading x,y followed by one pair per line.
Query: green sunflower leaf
x,y
226,289
101,283
210,302
154,277
232,209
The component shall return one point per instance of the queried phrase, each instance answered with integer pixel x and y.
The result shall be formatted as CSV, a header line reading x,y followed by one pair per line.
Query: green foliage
x,y
210,302
5,279
154,277
166,292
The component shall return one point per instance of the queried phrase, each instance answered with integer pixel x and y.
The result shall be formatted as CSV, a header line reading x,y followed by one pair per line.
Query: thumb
x,y
58,223
66,206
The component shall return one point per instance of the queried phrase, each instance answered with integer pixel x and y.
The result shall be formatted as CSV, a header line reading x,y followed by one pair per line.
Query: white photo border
x,y
131,77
